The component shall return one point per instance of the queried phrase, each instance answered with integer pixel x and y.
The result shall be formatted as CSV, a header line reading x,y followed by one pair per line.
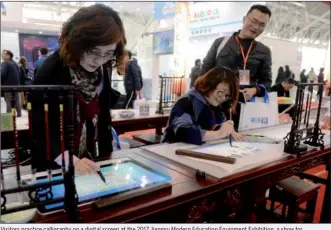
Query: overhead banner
x,y
216,17
164,10
3,9
163,42
181,38
201,18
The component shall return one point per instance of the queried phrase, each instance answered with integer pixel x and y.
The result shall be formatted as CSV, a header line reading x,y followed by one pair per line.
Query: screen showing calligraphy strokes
x,y
122,177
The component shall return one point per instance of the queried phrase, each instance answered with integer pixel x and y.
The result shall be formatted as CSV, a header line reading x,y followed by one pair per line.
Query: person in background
x,y
288,72
283,90
24,78
312,76
10,76
133,81
43,55
23,67
90,46
195,72
303,76
280,76
248,58
320,79
200,115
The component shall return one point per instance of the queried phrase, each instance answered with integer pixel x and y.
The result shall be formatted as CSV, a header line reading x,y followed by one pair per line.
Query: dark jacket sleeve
x,y
136,75
265,74
210,60
183,124
4,74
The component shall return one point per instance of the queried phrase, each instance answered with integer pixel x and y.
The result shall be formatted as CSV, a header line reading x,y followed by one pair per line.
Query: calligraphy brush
x,y
230,136
48,147
17,157
62,138
99,171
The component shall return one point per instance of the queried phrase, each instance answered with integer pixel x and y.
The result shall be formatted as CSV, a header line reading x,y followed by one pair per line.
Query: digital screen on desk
x,y
121,177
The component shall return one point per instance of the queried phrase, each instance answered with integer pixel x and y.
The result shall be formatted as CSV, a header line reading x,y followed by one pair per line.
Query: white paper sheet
x,y
268,153
246,154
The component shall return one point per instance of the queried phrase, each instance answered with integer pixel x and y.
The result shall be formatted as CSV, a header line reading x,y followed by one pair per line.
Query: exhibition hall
x,y
165,112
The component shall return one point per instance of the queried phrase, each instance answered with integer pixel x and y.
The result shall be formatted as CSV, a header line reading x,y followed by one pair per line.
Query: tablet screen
x,y
120,177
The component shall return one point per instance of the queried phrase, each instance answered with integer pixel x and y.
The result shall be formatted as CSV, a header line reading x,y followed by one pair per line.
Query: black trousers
x,y
130,98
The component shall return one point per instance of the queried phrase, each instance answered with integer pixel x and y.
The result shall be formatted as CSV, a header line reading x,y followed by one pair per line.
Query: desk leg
x,y
326,215
158,130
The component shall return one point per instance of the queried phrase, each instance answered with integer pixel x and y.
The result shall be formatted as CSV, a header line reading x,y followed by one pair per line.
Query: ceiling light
x,y
137,9
40,32
47,24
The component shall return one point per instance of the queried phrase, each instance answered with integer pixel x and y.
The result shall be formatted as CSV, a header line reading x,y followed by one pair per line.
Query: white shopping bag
x,y
259,112
143,106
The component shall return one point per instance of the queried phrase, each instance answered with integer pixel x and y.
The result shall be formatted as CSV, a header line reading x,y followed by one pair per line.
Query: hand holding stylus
x,y
86,166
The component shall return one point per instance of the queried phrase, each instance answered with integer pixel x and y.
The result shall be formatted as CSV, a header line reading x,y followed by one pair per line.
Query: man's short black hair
x,y
290,81
197,61
262,8
9,53
44,51
129,54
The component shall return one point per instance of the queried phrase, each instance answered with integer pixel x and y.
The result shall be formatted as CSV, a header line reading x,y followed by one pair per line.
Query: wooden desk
x,y
153,121
121,125
193,200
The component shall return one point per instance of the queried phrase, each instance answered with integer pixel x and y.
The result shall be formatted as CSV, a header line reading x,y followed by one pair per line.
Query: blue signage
x,y
164,10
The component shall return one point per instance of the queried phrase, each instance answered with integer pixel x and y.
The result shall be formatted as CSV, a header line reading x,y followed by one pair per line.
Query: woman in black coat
x,y
280,76
23,67
91,44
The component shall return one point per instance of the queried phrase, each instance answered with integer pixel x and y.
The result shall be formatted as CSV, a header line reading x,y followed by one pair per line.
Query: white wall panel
x,y
9,41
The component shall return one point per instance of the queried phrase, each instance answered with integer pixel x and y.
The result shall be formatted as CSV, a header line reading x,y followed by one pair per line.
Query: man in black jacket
x,y
250,59
10,76
243,54
133,81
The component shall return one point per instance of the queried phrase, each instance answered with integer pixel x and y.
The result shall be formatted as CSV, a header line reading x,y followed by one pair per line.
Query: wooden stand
x,y
301,130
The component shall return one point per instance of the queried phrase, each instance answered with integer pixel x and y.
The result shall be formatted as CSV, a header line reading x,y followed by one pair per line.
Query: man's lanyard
x,y
242,51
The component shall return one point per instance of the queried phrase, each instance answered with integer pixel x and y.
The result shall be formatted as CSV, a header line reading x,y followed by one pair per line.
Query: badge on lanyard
x,y
244,74
244,77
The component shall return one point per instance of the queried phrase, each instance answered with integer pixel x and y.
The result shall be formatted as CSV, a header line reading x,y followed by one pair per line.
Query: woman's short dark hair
x,y
96,25
208,82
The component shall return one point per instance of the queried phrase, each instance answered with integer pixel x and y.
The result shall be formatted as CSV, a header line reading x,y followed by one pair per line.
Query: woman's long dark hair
x,y
23,62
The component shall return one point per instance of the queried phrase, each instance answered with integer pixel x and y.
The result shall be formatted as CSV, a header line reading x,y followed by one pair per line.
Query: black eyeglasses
x,y
221,94
95,55
261,25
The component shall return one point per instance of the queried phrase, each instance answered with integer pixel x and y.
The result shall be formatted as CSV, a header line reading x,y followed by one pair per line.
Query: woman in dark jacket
x,y
303,76
200,115
280,76
90,45
22,63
